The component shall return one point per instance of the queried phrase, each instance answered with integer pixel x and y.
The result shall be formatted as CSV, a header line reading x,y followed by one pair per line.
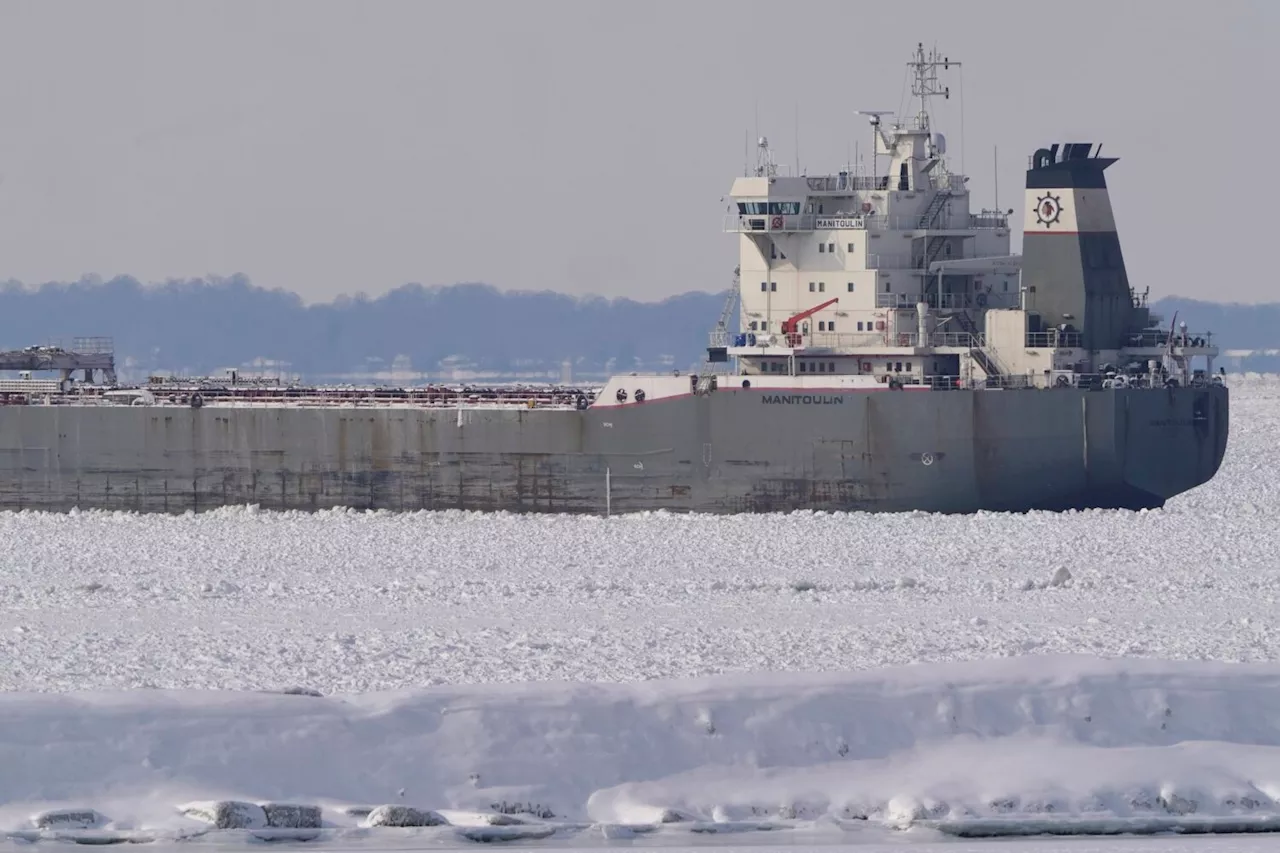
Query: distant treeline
x,y
201,326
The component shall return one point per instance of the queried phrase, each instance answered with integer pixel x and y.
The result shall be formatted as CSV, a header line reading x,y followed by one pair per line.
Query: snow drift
x,y
1019,739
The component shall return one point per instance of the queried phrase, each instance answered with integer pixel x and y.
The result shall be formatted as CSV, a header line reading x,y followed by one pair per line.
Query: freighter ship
x,y
884,352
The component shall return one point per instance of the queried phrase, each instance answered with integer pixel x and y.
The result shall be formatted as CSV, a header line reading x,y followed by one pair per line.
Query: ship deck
x,y
237,396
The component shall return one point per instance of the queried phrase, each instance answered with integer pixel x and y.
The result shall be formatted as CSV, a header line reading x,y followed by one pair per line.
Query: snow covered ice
x,y
352,602
1012,717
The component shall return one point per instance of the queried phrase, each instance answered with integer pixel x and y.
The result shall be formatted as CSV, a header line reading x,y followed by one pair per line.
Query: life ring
x,y
196,401
639,395
895,384
776,223
581,403
981,299
879,325
1062,382
621,395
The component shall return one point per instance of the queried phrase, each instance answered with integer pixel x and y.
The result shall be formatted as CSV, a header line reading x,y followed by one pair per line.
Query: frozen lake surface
x,y
1229,844
1094,670
352,602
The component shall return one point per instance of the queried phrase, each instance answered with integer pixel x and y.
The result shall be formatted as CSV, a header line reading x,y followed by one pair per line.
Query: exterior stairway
x,y
985,361
930,215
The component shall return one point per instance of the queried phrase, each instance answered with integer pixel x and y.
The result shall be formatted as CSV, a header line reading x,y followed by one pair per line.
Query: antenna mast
x,y
797,137
995,170
765,165
924,84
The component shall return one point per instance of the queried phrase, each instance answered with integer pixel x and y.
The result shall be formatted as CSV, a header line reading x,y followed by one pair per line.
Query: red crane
x,y
789,326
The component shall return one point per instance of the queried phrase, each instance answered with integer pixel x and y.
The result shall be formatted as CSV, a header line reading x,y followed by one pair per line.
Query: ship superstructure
x,y
892,277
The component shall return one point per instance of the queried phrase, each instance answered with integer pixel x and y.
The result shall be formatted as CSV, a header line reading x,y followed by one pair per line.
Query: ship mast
x,y
925,84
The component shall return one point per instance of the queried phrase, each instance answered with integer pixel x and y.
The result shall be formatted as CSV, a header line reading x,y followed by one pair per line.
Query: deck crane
x,y
719,343
790,325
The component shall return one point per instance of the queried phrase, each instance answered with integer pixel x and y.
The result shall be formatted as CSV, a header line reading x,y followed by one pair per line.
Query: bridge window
x,y
764,287
831,325
908,367
822,287
811,286
831,367
851,248
822,247
851,287
753,325
831,247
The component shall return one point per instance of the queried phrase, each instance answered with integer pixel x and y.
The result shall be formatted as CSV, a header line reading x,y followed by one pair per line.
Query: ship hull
x,y
734,450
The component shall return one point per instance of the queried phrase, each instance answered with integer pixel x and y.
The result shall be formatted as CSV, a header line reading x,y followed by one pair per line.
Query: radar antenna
x,y
765,165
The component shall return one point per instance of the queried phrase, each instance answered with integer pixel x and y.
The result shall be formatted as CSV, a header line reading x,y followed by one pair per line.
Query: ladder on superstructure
x,y
927,221
976,348
930,215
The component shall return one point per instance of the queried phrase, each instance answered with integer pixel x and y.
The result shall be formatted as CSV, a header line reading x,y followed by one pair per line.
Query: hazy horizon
x,y
335,148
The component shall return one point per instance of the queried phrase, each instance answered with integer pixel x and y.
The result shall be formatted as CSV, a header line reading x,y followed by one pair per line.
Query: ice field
x,y
356,602
844,677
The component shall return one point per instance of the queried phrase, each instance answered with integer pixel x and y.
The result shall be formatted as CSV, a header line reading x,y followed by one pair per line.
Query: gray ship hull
x,y
734,450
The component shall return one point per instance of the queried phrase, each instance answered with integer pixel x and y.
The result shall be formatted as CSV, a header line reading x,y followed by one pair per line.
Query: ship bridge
x,y
875,268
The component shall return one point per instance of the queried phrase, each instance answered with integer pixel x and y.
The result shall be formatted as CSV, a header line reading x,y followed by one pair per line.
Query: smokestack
x,y
1070,248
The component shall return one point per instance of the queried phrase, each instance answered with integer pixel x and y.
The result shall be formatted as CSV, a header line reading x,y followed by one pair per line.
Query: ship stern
x,y
1174,440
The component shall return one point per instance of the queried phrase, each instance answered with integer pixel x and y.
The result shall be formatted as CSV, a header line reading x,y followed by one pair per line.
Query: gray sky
x,y
328,148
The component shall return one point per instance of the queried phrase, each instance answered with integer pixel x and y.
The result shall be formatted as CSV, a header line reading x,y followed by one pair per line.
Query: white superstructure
x,y
891,274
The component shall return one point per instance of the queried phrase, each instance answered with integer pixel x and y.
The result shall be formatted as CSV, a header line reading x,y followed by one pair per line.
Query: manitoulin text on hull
x,y
882,351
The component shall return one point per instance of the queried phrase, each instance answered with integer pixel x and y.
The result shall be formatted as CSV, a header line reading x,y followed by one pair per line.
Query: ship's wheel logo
x,y
1048,209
